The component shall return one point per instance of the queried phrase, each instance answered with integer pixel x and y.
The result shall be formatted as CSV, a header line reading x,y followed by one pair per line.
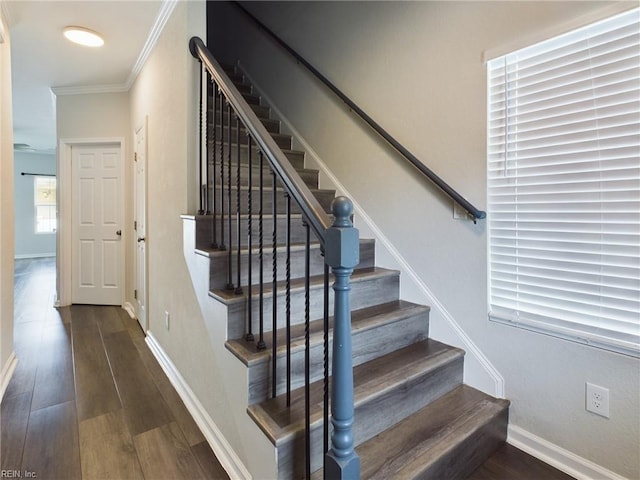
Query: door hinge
x,y
135,156
135,225
135,294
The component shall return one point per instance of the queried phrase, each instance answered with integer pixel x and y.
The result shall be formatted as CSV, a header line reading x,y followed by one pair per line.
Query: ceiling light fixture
x,y
83,36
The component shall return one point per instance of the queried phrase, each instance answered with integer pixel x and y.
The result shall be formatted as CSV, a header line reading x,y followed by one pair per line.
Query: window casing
x,y
45,204
564,185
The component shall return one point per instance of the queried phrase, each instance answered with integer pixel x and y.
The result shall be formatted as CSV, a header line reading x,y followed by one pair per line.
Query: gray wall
x,y
418,68
29,243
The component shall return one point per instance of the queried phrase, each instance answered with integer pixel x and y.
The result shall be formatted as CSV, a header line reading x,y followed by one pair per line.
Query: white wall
x,y
166,92
417,67
6,209
29,243
92,117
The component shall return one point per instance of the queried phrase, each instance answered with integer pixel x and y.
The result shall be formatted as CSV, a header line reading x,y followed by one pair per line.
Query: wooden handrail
x,y
318,219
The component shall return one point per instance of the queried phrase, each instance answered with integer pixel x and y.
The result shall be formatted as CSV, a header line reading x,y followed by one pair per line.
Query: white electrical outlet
x,y
166,319
597,400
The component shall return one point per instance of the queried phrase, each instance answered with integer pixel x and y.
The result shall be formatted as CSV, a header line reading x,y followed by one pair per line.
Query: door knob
x,y
119,233
140,239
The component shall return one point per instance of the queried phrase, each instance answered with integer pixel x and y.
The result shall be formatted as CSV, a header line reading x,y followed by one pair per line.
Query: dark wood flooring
x,y
509,463
89,401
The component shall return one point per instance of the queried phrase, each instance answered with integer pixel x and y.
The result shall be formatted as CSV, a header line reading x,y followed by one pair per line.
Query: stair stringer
x,y
479,371
255,453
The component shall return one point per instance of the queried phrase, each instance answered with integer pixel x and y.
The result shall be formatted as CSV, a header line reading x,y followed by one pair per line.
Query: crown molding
x,y
158,26
161,20
85,89
7,18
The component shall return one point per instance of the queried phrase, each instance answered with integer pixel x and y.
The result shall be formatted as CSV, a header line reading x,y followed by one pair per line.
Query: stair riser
x,y
467,456
282,140
272,126
324,197
220,264
204,231
261,111
296,158
373,417
366,346
364,293
310,177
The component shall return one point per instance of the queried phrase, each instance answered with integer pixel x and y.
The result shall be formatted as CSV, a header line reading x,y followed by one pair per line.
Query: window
x,y
45,204
564,185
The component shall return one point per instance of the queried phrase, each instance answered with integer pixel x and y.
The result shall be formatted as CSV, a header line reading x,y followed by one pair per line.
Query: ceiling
x,y
44,63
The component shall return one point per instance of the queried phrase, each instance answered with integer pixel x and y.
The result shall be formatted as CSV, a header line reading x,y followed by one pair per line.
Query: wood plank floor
x,y
88,399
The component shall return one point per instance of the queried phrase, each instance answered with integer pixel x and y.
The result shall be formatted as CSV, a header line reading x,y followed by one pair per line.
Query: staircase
x,y
414,417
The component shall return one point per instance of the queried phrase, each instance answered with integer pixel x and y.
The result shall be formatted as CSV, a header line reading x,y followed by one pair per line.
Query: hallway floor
x,y
88,399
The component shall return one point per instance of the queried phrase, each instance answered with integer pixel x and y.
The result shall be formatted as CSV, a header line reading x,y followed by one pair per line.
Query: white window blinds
x,y
564,185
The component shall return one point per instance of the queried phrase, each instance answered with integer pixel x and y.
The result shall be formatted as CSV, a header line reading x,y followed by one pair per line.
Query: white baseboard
x,y
129,309
558,457
223,451
7,372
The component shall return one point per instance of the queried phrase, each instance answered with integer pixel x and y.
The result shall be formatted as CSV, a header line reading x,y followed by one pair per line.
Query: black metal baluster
x,y
288,296
249,336
214,149
261,345
274,301
307,350
230,239
223,103
326,363
238,290
204,155
200,173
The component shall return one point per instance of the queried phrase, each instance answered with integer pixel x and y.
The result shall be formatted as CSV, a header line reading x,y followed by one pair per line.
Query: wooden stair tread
x,y
412,447
371,380
364,318
414,418
229,297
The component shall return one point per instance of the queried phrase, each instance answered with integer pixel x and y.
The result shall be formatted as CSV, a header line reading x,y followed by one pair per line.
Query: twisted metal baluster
x,y
249,336
261,345
214,148
238,289
230,254
204,95
223,104
200,173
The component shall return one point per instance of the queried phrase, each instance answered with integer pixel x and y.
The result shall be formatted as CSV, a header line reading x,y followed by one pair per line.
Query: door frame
x,y
64,240
144,324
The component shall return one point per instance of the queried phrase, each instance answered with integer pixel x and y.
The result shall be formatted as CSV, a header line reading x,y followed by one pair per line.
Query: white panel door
x,y
141,225
97,256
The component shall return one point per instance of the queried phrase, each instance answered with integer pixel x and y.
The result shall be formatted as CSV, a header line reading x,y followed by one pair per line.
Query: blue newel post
x,y
342,254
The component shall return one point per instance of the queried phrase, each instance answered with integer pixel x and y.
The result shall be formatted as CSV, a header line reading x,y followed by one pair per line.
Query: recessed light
x,y
83,36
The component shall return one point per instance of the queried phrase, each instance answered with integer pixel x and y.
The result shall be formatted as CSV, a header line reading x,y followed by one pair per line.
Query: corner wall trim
x,y
223,451
558,457
7,372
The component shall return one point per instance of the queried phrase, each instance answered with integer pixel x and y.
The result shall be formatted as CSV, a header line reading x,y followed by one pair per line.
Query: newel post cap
x,y
342,242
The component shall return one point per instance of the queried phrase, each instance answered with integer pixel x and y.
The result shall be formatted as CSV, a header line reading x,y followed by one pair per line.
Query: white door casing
x,y
96,224
140,214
